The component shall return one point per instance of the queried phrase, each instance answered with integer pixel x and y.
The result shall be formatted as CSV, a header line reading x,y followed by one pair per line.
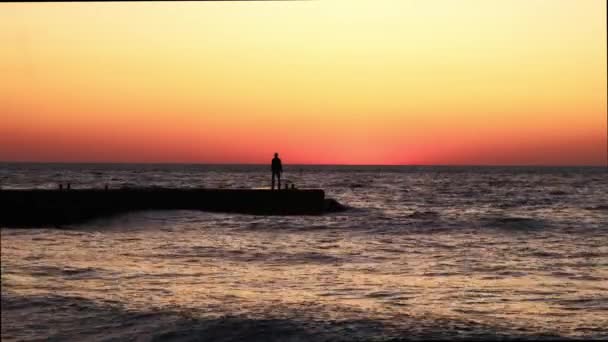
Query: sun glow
x,y
355,82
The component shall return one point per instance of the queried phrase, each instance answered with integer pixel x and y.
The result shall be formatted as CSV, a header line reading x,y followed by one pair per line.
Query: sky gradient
x,y
321,82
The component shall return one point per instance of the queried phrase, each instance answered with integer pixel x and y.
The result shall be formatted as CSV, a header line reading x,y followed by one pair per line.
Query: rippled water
x,y
422,252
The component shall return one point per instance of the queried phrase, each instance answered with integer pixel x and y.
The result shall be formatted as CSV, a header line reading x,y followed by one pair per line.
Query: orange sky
x,y
321,82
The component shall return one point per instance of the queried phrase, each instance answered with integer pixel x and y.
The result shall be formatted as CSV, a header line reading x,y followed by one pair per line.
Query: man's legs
x,y
279,179
273,174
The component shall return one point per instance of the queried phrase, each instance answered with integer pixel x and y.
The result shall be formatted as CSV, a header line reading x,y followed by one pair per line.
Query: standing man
x,y
277,169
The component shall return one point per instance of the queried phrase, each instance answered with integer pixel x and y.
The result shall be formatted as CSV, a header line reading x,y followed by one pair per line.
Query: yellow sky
x,y
382,82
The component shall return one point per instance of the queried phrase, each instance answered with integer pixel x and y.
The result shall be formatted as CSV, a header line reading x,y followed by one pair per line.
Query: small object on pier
x,y
60,186
106,187
69,186
293,186
286,186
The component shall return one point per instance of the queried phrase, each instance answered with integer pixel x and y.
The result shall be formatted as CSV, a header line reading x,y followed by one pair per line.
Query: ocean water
x,y
422,252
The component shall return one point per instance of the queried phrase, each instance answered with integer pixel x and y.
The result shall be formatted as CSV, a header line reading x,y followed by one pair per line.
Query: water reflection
x,y
433,252
494,279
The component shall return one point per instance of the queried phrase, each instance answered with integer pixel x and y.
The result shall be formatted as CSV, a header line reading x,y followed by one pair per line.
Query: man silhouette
x,y
277,169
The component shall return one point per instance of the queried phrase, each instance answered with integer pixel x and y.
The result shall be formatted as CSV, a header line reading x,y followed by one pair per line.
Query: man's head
x,y
276,155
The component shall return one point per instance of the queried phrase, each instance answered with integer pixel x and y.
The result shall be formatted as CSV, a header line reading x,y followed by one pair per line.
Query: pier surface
x,y
37,207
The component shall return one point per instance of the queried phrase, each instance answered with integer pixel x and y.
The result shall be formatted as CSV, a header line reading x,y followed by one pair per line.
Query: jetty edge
x,y
42,207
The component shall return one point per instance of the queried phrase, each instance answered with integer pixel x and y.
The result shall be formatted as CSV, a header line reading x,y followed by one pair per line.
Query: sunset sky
x,y
320,82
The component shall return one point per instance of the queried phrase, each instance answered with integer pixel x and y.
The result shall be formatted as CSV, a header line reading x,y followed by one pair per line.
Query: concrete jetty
x,y
37,207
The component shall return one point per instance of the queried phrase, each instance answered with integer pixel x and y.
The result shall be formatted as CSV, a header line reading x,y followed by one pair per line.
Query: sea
x,y
422,252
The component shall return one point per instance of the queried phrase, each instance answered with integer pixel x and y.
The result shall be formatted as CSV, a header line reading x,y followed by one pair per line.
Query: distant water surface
x,y
423,252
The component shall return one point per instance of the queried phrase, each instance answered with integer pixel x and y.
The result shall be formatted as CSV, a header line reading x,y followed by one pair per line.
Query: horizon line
x,y
299,164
